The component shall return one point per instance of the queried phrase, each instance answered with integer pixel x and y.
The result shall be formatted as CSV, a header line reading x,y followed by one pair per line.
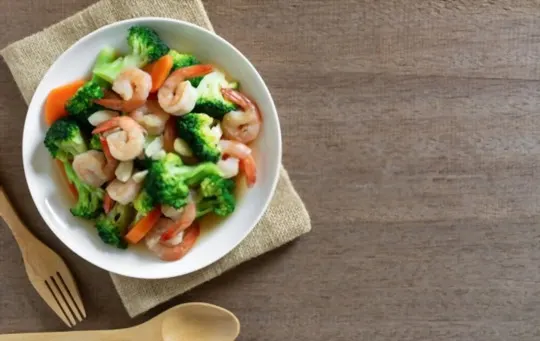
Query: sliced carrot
x,y
143,226
159,71
108,203
55,105
169,135
71,187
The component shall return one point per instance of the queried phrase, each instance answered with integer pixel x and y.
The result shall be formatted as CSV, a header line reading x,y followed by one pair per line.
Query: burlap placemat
x,y
286,217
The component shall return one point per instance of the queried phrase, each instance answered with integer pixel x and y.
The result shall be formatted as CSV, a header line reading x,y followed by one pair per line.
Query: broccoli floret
x,y
82,105
64,139
90,199
105,56
95,142
146,47
168,180
112,226
110,71
196,130
181,60
210,100
216,195
143,203
146,44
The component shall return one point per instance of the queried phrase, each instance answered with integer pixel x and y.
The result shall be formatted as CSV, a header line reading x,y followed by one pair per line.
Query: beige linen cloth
x,y
286,217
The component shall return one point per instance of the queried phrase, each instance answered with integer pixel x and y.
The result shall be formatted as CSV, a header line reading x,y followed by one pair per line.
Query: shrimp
x,y
133,85
126,144
171,212
123,192
229,167
183,222
151,117
94,168
177,96
168,252
243,126
243,153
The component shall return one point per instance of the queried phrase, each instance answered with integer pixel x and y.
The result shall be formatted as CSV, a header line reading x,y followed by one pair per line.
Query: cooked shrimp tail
x,y
192,71
126,144
94,168
133,85
243,126
169,251
248,166
120,105
177,96
238,98
183,222
243,153
177,252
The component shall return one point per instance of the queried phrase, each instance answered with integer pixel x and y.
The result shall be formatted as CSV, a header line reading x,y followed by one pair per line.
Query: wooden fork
x,y
46,270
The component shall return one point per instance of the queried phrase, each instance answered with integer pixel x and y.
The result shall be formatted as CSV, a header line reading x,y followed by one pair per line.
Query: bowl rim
x,y
32,106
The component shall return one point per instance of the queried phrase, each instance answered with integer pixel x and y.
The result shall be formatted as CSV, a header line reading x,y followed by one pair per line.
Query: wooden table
x,y
411,130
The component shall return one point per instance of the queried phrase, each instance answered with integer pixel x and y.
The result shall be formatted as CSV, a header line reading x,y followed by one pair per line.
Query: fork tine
x,y
60,300
66,297
43,290
69,284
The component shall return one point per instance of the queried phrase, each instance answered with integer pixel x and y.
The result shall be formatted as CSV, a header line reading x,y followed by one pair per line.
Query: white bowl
x,y
52,198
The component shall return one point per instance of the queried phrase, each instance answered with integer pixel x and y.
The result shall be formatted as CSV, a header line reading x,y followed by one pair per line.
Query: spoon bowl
x,y
200,321
185,322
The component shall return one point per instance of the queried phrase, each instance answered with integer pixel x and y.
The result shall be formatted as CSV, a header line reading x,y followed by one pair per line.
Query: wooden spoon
x,y
185,322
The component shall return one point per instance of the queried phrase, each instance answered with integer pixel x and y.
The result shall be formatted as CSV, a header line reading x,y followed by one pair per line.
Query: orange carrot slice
x,y
143,226
159,71
57,98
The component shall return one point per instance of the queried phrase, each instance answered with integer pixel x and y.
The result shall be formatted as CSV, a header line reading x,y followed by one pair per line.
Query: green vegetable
x,y
210,100
196,130
105,56
146,46
216,195
181,60
82,105
64,139
112,226
90,199
95,142
168,180
143,203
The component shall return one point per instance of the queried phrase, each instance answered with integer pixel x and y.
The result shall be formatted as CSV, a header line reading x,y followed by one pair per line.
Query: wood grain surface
x,y
411,130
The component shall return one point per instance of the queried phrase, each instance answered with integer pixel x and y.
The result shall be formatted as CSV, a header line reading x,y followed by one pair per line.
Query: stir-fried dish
x,y
152,142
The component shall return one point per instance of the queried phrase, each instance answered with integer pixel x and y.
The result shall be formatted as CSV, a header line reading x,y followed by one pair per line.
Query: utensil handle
x,y
90,335
13,221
